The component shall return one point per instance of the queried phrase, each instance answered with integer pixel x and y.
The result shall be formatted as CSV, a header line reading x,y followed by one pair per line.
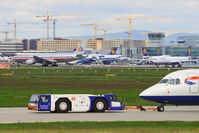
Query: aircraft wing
x,y
43,61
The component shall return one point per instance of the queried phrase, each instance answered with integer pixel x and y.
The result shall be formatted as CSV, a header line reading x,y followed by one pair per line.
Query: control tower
x,y
156,39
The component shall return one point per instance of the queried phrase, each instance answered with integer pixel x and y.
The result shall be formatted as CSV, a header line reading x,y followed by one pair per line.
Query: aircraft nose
x,y
142,94
146,94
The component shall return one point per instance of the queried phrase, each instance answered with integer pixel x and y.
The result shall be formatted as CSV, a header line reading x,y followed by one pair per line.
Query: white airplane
x,y
99,58
5,59
167,59
177,88
47,58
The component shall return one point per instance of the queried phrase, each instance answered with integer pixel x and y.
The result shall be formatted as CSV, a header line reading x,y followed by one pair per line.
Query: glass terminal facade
x,y
173,51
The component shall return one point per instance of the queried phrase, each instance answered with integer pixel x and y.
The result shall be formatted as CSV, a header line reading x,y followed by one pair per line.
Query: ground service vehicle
x,y
62,103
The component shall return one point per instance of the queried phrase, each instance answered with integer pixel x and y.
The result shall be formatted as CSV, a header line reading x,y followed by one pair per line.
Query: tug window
x,y
44,99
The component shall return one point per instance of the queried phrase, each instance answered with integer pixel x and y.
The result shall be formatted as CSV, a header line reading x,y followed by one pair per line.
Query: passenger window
x,y
177,81
171,81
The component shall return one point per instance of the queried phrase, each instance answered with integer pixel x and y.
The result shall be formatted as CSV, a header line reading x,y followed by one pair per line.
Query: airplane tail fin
x,y
115,51
144,52
82,46
188,53
78,50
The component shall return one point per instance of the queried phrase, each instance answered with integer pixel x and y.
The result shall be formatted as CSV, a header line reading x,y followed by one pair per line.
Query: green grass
x,y
112,127
16,90
87,72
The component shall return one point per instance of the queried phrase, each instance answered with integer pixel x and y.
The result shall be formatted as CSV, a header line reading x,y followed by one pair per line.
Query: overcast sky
x,y
181,15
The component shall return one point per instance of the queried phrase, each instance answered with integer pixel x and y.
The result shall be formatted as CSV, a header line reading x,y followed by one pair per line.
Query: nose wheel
x,y
160,108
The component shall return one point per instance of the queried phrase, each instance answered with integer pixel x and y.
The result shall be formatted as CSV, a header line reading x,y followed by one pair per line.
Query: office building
x,y
11,47
30,44
57,45
188,41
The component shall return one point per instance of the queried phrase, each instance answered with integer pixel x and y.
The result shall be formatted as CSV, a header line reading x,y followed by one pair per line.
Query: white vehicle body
x,y
74,102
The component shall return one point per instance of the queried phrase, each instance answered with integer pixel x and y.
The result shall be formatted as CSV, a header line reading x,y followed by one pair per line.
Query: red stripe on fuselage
x,y
192,78
42,58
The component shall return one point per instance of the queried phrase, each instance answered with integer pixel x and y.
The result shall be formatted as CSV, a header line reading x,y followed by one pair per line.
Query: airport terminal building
x,y
11,47
130,48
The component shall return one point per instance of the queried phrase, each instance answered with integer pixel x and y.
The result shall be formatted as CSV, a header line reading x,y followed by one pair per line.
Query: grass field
x,y
103,127
17,85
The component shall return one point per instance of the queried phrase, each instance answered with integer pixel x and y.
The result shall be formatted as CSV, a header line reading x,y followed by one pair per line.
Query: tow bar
x,y
140,108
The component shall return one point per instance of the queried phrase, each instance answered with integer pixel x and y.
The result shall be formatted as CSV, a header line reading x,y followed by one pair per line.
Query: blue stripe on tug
x,y
107,98
177,100
92,98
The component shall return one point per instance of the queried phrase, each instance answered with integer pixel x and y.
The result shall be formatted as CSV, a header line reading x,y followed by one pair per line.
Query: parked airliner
x,y
47,58
114,55
167,59
178,88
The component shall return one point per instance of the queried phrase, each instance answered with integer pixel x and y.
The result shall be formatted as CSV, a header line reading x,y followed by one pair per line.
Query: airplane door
x,y
193,83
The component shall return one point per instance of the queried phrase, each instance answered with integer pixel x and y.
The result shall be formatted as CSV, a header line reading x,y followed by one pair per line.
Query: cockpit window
x,y
177,81
171,81
163,81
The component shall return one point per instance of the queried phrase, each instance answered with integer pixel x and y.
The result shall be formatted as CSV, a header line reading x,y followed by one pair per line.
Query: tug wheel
x,y
62,106
99,105
160,108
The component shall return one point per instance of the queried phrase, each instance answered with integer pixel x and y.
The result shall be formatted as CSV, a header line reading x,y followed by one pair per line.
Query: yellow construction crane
x,y
15,26
130,22
108,29
100,24
47,18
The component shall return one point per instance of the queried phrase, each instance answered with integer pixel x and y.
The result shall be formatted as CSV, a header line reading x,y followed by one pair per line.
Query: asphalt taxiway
x,y
171,113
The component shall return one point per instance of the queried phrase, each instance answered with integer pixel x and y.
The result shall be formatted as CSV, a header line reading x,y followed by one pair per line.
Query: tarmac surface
x,y
171,113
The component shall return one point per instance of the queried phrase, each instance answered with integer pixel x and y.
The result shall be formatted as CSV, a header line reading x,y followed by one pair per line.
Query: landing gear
x,y
160,108
55,65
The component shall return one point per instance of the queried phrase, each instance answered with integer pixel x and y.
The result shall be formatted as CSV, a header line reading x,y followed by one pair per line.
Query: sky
x,y
178,15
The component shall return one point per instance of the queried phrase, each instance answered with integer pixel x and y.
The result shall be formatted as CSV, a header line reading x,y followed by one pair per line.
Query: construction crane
x,y
47,18
108,29
54,24
130,22
100,24
15,27
7,32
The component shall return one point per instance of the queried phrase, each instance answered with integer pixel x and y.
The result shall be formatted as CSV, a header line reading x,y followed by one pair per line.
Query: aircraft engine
x,y
52,61
30,62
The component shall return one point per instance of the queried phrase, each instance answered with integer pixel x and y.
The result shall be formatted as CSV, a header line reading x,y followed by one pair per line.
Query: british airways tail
x,y
144,52
188,53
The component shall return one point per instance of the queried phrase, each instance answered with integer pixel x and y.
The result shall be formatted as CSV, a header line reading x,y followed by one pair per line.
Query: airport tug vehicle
x,y
63,103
